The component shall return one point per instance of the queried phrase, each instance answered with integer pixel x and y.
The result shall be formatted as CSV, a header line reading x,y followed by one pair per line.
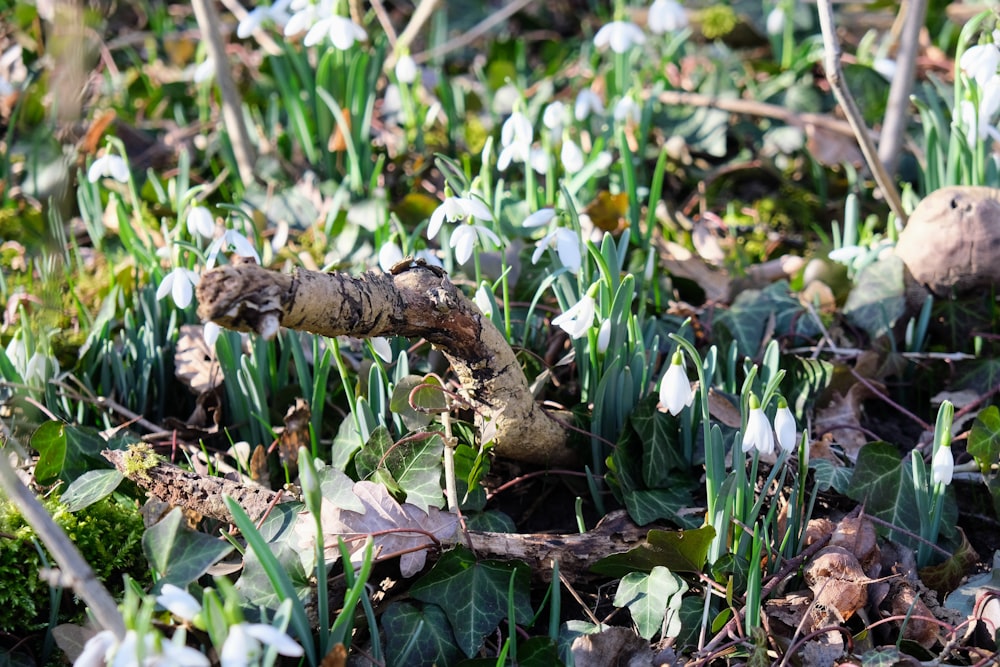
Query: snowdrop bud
x,y
775,24
389,255
675,389
571,156
382,348
406,69
179,602
758,433
200,222
784,426
604,336
210,332
942,466
482,300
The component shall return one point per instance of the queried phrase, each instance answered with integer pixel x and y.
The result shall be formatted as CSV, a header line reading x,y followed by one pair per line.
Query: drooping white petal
x,y
200,222
620,36
274,638
179,602
539,218
587,102
568,249
604,336
577,320
758,433
784,428
942,466
406,69
571,156
389,255
382,348
675,389
666,16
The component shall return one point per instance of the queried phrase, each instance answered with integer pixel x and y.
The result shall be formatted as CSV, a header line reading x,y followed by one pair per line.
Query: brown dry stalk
x,y
415,301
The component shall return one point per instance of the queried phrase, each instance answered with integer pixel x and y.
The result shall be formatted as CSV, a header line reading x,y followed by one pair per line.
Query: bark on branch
x,y
415,301
576,553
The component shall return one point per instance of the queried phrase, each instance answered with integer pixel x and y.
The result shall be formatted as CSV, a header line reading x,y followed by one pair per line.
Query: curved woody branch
x,y
414,300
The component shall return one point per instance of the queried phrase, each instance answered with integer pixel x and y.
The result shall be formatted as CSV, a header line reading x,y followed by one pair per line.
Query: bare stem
x,y
897,112
835,75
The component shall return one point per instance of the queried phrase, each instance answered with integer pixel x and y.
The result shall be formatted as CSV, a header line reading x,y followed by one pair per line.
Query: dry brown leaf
x,y
295,434
195,363
679,261
722,410
907,603
841,419
837,581
612,646
857,535
395,528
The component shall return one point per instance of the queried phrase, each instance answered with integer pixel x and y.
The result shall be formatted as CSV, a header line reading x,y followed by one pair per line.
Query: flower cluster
x,y
663,16
980,64
759,434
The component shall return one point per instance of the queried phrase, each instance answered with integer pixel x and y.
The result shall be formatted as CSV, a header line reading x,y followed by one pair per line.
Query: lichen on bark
x,y
416,301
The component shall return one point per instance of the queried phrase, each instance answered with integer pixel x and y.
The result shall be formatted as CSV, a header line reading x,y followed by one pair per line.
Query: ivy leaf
x,y
65,452
877,299
676,550
417,408
662,452
984,439
649,597
180,555
648,505
91,487
473,594
418,635
884,484
415,465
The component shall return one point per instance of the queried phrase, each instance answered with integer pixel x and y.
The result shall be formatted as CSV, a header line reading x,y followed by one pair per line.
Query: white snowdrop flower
x,y
482,299
539,160
245,642
775,23
981,118
784,426
340,30
231,239
567,245
204,71
108,165
179,602
466,237
389,255
980,62
382,348
304,16
406,69
627,110
620,36
650,265
210,332
516,136
254,19
942,466
200,222
759,434
453,209
675,389
554,117
603,160
666,16
604,336
179,284
578,319
571,156
176,652
587,103
98,650
886,67
539,218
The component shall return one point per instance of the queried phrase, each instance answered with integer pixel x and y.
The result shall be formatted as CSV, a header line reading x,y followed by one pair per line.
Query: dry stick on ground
x,y
897,112
415,301
835,75
232,113
76,573
575,553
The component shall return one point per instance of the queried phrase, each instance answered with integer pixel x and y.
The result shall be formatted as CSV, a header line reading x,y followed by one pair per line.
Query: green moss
x,y
108,534
718,21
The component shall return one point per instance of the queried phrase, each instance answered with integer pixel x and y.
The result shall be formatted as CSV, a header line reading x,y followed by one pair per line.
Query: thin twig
x,y
232,111
75,570
477,31
897,111
835,76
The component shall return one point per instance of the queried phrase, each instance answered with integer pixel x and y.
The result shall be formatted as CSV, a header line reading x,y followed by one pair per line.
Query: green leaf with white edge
x,y
883,482
90,487
414,465
418,635
649,598
877,299
984,439
676,550
473,594
180,555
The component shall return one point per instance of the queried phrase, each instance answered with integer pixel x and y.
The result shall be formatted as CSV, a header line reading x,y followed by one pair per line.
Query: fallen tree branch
x,y
575,553
415,301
